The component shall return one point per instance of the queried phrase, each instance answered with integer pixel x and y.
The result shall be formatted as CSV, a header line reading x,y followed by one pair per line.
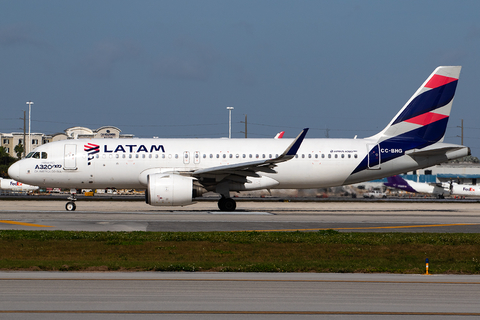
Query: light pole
x,y
229,122
29,125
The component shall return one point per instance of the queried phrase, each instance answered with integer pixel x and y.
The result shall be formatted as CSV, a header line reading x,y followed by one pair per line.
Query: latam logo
x,y
91,149
133,148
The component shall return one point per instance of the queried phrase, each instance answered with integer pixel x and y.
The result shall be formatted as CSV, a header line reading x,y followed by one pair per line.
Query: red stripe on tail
x,y
426,118
438,80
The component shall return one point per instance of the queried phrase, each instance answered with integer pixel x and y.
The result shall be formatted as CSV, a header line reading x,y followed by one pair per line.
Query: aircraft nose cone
x,y
14,171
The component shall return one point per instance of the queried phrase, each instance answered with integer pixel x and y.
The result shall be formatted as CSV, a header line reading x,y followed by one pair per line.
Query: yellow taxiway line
x,y
371,228
25,224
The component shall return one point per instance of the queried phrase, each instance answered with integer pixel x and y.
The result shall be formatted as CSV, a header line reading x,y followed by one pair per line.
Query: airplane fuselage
x,y
125,163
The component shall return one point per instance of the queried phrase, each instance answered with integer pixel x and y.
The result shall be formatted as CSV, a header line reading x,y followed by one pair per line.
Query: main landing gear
x,y
227,204
70,206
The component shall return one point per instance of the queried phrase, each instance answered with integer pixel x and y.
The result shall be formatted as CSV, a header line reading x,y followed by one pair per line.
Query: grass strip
x,y
323,251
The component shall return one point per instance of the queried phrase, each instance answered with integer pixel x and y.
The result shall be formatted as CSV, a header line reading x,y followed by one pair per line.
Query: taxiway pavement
x,y
360,216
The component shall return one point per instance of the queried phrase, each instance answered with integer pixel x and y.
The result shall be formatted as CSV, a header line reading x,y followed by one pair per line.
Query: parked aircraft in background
x,y
174,171
9,184
438,189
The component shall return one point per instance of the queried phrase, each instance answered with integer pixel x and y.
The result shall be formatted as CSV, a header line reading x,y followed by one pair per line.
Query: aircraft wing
x,y
250,168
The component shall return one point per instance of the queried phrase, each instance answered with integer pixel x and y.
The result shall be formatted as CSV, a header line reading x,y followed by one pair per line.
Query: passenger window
x,y
257,156
355,156
163,156
296,156
329,156
349,156
323,155
244,155
150,156
204,156
336,156
343,156
117,156
218,156
156,156
250,155
263,156
130,156
316,156
237,156
176,156
211,156
136,156
231,156
123,156
309,155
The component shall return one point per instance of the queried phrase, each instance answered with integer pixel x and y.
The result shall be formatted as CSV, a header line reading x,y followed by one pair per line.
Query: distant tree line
x,y
6,161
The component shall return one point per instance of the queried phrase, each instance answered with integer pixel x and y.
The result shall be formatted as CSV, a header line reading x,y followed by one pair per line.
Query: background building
x,y
9,140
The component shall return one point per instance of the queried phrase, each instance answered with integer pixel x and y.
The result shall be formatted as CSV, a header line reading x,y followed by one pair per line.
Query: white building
x,y
9,140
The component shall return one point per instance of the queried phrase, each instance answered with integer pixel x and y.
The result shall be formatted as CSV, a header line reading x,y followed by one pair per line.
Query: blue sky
x,y
170,68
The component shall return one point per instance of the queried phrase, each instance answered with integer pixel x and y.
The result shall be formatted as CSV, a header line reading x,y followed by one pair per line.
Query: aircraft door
x,y
186,157
374,156
197,157
70,160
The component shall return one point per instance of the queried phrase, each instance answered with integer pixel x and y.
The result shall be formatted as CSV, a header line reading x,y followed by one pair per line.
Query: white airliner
x,y
10,184
174,171
437,189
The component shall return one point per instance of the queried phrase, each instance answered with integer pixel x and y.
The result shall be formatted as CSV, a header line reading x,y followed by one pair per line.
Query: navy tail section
x,y
420,123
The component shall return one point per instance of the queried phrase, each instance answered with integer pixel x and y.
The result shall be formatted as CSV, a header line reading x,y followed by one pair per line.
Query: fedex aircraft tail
x,y
423,119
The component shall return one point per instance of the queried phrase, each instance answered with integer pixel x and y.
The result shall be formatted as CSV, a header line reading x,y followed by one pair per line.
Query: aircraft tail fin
x,y
399,183
423,119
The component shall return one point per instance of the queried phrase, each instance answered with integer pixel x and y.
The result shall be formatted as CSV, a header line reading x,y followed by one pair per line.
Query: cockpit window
x,y
37,155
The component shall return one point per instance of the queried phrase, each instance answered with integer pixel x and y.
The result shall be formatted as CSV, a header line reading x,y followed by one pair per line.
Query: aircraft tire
x,y
230,204
227,204
70,206
221,204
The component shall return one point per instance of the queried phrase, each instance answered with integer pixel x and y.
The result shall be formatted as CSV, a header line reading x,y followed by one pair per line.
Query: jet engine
x,y
171,190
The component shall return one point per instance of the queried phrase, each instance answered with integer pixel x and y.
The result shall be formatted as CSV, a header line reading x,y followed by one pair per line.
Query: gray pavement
x,y
30,295
204,216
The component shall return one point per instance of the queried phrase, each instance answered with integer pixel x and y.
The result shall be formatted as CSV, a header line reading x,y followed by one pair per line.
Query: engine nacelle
x,y
171,190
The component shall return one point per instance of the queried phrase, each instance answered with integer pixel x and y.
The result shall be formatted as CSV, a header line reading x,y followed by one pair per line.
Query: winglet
x,y
293,148
279,135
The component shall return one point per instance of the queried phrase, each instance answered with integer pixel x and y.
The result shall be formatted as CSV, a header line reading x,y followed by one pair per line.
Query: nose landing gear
x,y
70,206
